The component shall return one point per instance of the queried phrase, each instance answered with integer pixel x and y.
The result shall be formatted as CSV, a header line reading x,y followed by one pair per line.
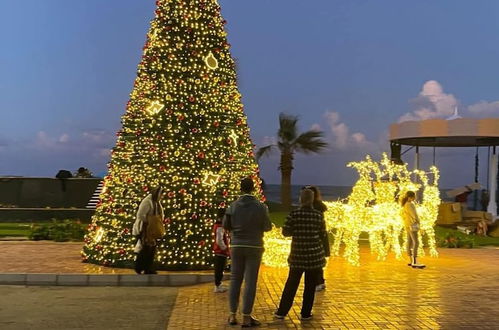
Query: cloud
x,y
339,134
484,109
269,140
432,102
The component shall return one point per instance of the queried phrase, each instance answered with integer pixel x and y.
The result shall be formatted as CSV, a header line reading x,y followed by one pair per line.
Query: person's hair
x,y
317,193
220,213
247,185
306,197
156,193
409,194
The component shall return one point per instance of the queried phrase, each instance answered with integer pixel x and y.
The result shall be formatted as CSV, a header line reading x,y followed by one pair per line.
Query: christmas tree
x,y
184,129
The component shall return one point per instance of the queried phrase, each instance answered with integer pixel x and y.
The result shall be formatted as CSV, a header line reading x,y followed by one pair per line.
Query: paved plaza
x,y
458,290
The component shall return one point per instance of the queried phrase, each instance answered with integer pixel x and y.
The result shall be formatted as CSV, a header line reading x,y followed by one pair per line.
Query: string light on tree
x,y
184,108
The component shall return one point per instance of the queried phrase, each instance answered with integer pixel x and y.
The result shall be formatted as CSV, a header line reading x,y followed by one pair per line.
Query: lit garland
x,y
185,129
373,207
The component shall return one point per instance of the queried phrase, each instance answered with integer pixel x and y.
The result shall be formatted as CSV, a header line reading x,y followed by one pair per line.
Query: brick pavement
x,y
458,290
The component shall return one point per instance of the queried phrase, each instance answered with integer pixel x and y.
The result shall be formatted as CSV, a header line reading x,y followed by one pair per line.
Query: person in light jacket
x,y
412,224
146,252
246,219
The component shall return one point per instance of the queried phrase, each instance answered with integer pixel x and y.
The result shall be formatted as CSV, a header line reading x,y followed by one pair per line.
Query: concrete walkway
x,y
71,308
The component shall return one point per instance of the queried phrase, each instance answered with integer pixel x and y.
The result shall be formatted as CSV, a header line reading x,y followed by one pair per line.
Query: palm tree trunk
x,y
286,170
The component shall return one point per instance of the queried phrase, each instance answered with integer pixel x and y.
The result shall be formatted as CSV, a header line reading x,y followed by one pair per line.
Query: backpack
x,y
155,229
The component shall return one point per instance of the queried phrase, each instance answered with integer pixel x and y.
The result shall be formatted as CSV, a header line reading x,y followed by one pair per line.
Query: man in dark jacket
x,y
246,219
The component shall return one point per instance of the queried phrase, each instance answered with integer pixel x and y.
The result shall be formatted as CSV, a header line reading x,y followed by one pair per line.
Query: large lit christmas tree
x,y
184,129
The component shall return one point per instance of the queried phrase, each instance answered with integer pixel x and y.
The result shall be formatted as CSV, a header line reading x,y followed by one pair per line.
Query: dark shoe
x,y
232,321
139,272
252,323
152,272
306,318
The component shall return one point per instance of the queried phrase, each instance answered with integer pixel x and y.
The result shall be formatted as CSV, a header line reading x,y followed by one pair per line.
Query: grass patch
x,y
442,232
14,229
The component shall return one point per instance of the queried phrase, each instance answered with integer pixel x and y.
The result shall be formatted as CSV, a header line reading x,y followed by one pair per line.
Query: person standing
x,y
146,249
246,219
320,206
221,251
306,226
411,223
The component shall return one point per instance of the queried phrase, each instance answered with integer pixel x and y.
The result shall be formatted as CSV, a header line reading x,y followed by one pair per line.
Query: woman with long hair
x,y
306,226
412,224
320,206
146,250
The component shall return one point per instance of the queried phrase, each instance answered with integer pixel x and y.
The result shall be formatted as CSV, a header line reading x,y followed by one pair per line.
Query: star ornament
x,y
155,107
211,179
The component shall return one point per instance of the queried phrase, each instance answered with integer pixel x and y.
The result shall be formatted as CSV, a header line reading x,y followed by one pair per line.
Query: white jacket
x,y
146,208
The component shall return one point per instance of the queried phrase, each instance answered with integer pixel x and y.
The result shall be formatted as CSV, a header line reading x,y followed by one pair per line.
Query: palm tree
x,y
289,142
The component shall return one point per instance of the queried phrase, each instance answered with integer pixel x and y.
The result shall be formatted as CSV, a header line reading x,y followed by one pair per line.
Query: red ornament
x,y
196,181
182,191
201,155
122,251
171,194
202,243
162,168
181,117
167,221
194,216
192,99
222,205
145,188
203,203
225,193
216,124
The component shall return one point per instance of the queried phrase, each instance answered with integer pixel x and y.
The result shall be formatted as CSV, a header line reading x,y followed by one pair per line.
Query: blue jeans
x,y
245,266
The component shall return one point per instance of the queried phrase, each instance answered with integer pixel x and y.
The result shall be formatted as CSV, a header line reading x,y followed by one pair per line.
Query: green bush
x,y
59,231
455,241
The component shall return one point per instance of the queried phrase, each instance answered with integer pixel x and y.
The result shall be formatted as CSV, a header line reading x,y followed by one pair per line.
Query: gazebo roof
x,y
462,132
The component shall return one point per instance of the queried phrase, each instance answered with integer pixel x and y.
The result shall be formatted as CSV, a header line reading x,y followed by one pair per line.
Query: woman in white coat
x,y
150,205
412,224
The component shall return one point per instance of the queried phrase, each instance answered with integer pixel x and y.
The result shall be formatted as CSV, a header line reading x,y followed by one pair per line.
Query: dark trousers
x,y
220,262
320,277
288,295
145,259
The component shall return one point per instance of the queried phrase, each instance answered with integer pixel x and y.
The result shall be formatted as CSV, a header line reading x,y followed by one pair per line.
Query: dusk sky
x,y
348,67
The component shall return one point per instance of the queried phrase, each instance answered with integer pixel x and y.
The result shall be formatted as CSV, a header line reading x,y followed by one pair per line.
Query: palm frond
x,y
310,142
288,129
264,151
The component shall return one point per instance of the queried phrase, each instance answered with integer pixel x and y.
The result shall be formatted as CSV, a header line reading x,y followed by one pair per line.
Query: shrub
x,y
455,241
59,231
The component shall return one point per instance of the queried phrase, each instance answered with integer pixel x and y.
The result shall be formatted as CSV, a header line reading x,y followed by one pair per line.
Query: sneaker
x,y
279,317
220,289
420,266
320,287
306,318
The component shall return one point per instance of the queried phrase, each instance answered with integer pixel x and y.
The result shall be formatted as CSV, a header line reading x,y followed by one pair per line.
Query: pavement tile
x,y
458,290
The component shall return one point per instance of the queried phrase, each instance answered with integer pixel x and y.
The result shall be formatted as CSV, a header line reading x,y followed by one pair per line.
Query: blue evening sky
x,y
350,67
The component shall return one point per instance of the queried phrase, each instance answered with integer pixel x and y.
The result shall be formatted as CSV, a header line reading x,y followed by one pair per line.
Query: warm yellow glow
x,y
99,234
155,107
211,179
211,61
373,207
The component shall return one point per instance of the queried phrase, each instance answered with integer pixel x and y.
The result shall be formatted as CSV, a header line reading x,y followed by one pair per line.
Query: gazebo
x,y
452,132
